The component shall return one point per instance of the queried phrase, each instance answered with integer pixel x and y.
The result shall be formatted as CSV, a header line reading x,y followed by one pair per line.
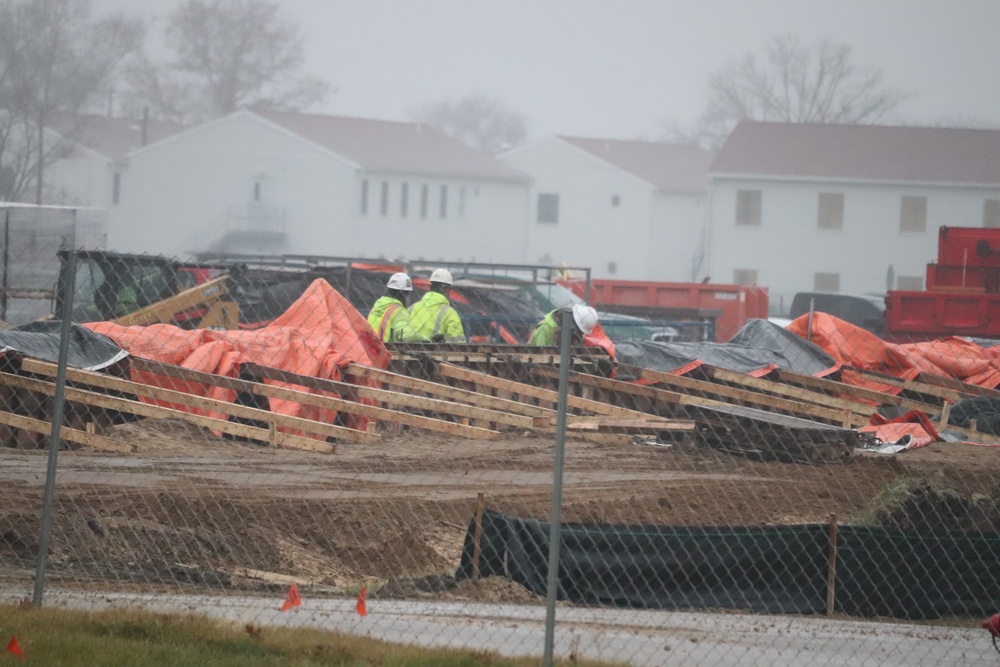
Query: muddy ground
x,y
193,511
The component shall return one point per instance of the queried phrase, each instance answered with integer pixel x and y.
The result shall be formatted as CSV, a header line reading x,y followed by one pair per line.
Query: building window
x,y
913,214
444,202
748,203
461,202
612,267
256,190
616,200
548,208
384,206
831,210
364,197
425,195
116,187
991,213
826,282
404,196
910,283
745,276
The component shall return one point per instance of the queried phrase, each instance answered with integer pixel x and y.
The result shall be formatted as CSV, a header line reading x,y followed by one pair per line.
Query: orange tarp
x,y
317,336
849,345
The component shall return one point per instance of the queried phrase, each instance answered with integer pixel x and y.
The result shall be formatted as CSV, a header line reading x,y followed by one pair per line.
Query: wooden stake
x,y
831,571
477,537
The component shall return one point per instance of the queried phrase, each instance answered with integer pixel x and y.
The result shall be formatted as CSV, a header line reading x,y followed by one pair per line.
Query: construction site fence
x,y
452,496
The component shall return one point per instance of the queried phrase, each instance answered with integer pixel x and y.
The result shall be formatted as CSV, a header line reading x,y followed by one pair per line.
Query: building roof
x,y
113,137
395,147
862,153
670,167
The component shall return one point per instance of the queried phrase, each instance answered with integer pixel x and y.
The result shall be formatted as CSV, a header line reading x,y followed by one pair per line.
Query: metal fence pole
x,y
566,328
57,415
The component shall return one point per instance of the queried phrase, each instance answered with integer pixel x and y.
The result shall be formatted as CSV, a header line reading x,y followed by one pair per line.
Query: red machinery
x,y
963,291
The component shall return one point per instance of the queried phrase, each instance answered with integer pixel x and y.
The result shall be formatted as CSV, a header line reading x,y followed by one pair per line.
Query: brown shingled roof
x,y
862,152
113,137
669,167
378,145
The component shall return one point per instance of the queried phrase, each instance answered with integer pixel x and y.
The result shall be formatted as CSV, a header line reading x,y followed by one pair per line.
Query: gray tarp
x,y
87,350
757,345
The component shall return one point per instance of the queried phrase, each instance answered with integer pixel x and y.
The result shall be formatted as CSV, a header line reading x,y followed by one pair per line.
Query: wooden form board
x,y
395,398
957,385
789,391
270,436
65,433
171,396
317,400
942,393
834,387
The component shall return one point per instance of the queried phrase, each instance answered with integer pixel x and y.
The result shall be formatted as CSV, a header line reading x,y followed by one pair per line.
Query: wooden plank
x,y
65,433
391,397
318,400
519,388
628,425
200,402
957,385
805,395
446,391
157,412
861,393
909,385
772,403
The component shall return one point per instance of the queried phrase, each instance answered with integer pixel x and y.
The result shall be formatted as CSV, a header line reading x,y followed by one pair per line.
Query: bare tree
x,y
53,59
794,85
227,55
477,120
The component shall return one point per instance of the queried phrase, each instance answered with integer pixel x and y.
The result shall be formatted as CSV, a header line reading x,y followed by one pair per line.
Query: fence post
x,y
831,570
566,326
477,538
57,416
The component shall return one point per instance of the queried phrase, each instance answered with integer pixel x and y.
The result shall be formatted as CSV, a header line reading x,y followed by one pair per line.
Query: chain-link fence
x,y
230,432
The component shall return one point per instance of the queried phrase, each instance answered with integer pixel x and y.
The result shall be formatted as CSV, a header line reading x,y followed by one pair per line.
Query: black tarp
x,y
757,345
87,350
763,569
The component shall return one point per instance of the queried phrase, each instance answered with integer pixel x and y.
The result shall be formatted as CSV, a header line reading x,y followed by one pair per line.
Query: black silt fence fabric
x,y
771,569
761,568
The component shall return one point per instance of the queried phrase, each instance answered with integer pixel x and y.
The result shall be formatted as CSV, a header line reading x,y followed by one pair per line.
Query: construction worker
x,y
546,332
389,317
433,315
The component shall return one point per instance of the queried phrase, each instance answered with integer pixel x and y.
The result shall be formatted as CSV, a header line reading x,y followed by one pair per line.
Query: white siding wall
x,y
788,248
647,236
82,179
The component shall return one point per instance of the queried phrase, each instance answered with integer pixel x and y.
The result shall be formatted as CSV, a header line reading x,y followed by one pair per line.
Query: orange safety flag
x,y
292,599
14,647
361,608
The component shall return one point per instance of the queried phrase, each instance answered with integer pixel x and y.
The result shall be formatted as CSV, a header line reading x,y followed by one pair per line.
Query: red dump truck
x,y
963,291
728,306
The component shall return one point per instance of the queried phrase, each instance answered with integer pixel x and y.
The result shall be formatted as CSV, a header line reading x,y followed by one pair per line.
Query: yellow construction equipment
x,y
209,294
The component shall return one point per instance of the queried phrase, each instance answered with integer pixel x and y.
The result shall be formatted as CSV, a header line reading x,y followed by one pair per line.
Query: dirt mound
x,y
919,506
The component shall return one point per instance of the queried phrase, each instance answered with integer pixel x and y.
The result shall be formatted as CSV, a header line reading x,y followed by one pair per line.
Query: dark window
x,y
404,196
616,200
831,210
991,213
548,208
748,204
461,202
444,202
385,198
364,197
913,214
612,267
256,190
425,195
116,187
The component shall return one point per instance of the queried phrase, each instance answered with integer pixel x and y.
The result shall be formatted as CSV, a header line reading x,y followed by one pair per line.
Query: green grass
x,y
107,639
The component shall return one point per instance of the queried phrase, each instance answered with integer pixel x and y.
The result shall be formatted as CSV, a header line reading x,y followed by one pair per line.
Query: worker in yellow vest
x,y
389,317
547,331
433,315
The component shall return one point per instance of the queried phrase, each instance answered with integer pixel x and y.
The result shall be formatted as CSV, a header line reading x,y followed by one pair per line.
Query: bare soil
x,y
191,510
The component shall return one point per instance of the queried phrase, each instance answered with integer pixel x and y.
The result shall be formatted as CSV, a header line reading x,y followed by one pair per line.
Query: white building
x,y
627,209
256,182
844,208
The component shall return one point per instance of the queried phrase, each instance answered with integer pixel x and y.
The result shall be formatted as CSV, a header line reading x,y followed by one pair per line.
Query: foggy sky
x,y
618,68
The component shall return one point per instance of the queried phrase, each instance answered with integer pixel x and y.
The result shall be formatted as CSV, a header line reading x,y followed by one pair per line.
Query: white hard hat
x,y
585,317
442,276
400,281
